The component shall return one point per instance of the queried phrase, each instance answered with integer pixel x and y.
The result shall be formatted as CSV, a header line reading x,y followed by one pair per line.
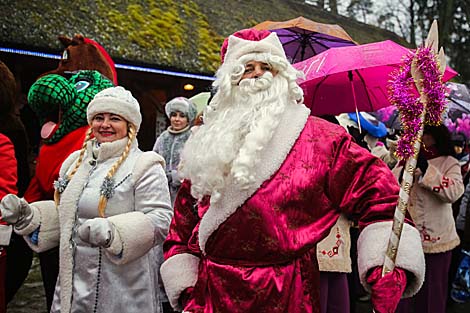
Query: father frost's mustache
x,y
252,85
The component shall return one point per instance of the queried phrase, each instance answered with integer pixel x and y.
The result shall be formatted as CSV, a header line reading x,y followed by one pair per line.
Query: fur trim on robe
x,y
371,247
178,273
290,126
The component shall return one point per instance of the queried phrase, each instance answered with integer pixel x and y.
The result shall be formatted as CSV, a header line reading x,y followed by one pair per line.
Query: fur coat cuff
x,y
134,237
178,273
371,247
46,218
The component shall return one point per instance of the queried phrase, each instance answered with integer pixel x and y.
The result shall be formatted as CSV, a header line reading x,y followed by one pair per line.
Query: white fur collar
x,y
290,126
108,150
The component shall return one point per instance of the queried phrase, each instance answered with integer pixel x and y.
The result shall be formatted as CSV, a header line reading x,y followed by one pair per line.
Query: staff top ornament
x,y
418,91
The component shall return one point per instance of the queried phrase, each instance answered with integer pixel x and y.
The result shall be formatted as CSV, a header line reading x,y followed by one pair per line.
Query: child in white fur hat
x,y
181,112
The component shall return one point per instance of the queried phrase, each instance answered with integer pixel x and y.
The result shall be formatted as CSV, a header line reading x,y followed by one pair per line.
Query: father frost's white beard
x,y
228,145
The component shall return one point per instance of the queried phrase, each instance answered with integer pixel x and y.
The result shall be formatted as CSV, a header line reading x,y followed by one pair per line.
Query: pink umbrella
x,y
353,78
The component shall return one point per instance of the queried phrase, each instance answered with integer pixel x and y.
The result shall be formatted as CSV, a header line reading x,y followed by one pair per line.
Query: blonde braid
x,y
131,133
77,164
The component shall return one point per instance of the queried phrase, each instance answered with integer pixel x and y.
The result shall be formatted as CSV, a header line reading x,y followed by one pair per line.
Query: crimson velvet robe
x,y
255,250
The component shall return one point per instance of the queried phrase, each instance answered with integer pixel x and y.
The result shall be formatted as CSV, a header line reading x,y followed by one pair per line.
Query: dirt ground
x,y
30,298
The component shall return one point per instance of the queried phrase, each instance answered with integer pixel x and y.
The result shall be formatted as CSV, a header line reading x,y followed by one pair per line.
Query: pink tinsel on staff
x,y
404,95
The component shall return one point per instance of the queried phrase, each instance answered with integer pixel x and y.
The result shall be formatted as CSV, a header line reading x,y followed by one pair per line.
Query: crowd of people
x,y
261,208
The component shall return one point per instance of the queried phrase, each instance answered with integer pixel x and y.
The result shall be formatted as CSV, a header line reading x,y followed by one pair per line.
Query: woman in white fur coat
x,y
112,209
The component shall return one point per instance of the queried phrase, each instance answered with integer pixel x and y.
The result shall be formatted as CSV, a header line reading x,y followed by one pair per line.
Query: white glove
x,y
98,232
16,211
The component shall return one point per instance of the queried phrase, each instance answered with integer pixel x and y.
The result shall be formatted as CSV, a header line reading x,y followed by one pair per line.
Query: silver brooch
x,y
61,183
107,188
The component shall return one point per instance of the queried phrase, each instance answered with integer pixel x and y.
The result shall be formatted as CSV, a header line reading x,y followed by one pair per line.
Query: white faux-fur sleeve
x,y
178,273
46,218
135,237
371,247
147,226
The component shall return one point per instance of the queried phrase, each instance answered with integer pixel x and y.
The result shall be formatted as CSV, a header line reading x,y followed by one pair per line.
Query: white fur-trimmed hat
x,y
183,105
249,41
116,100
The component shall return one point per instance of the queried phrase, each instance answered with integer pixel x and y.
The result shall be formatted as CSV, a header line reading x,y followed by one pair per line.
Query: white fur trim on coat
x,y
67,210
237,47
178,273
136,235
371,247
45,217
290,126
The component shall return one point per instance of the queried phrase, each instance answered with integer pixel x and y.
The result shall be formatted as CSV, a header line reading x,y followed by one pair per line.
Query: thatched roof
x,y
183,35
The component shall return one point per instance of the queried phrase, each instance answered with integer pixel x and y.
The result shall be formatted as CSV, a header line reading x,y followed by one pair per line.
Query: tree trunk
x,y
412,23
333,6
446,12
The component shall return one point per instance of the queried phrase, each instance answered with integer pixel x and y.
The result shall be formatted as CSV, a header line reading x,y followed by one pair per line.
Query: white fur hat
x,y
116,100
183,105
249,41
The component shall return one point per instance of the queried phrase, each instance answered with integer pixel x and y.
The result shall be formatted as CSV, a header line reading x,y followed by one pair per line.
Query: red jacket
x,y
8,175
48,164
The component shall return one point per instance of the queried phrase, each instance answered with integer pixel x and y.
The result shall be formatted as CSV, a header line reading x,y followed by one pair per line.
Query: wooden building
x,y
158,46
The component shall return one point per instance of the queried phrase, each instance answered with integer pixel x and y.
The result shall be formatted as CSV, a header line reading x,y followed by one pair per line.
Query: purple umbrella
x,y
303,38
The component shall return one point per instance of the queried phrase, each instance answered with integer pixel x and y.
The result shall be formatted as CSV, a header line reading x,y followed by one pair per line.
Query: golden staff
x,y
410,165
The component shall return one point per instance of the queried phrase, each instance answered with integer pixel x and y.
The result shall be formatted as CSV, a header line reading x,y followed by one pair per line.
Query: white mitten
x,y
16,211
98,232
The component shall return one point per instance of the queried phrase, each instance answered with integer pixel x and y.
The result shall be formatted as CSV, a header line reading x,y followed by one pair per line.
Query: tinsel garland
x,y
403,94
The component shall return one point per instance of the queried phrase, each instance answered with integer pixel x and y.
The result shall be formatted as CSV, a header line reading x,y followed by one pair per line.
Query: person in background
x,y
111,209
334,262
459,143
182,113
437,184
8,179
264,183
459,274
458,290
19,255
356,291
